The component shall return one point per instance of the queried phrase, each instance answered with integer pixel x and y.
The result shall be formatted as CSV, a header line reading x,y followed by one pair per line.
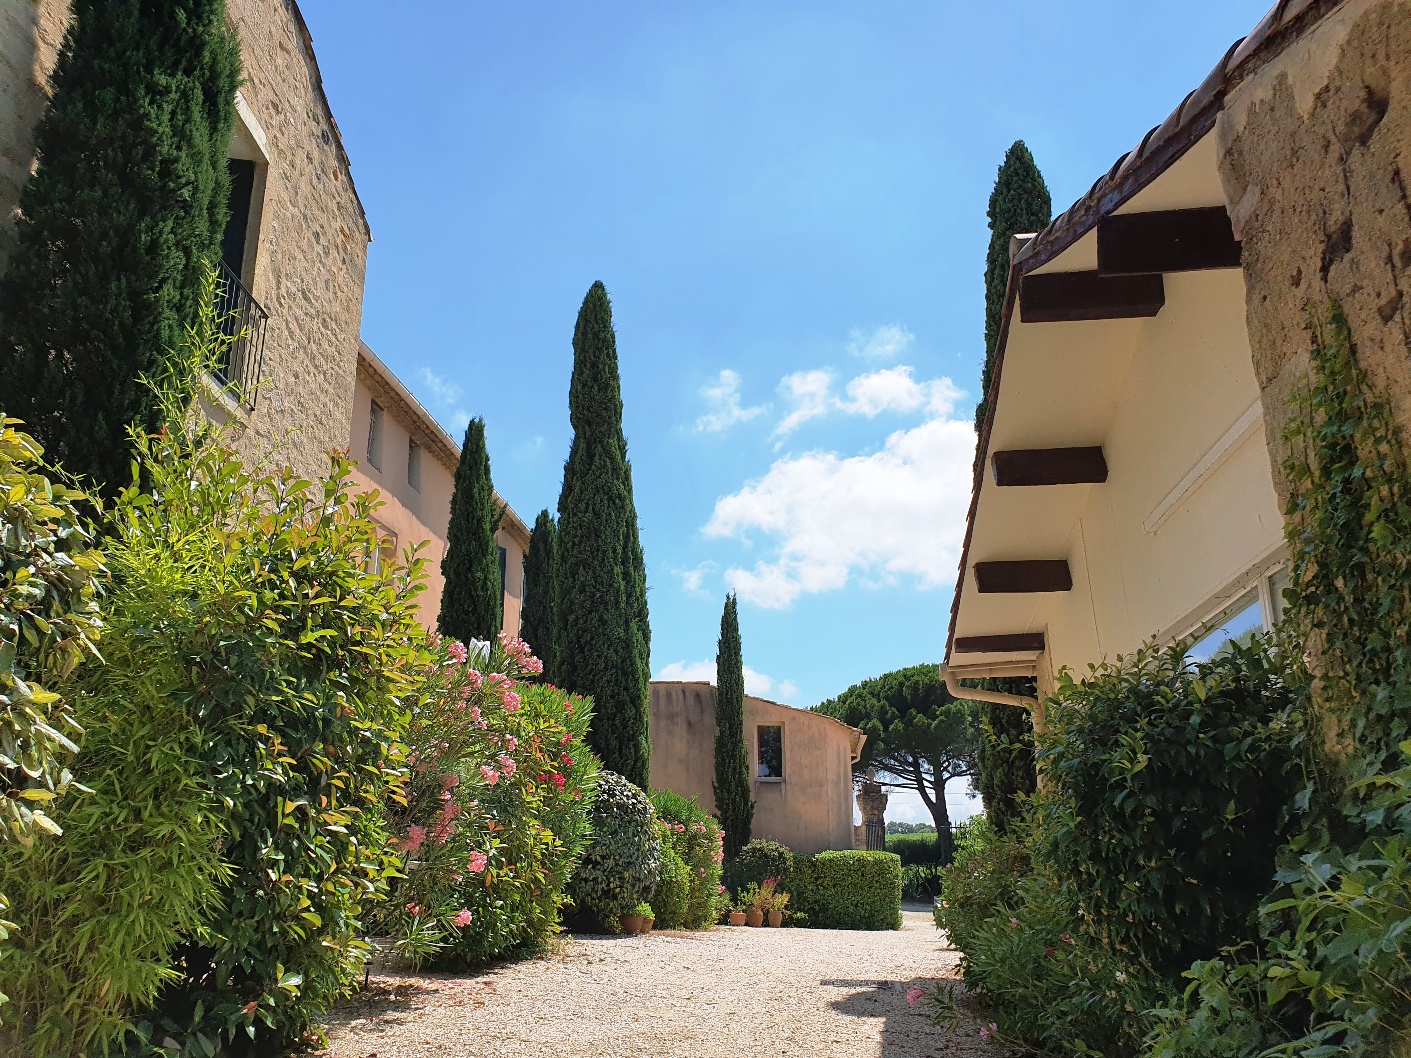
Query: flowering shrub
x,y
758,860
696,838
622,865
494,812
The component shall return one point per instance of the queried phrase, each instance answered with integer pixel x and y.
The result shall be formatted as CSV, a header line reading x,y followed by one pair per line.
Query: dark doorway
x,y
242,190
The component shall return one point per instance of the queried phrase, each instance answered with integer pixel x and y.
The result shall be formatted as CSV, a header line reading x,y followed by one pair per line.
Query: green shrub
x,y
699,842
1170,784
758,860
494,815
914,849
847,890
920,881
673,890
240,740
622,864
983,879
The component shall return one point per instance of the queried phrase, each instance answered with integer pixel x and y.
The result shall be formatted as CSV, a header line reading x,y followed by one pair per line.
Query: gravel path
x,y
724,993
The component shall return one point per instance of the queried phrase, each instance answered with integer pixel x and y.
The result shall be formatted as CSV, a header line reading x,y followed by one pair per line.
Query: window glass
x,y
1239,622
504,563
771,751
1278,581
374,435
414,465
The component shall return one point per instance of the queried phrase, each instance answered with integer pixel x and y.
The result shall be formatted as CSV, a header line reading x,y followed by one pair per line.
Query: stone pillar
x,y
872,803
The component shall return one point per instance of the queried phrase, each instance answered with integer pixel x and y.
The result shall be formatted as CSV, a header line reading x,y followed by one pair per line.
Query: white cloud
x,y
885,343
722,397
756,683
445,396
892,389
811,395
693,580
896,512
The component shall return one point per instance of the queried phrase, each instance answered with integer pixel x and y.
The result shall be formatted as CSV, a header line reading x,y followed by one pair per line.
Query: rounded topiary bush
x,y
758,860
673,891
622,865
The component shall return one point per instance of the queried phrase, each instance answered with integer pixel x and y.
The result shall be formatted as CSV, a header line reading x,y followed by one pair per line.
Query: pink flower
x,y
490,774
475,680
915,995
561,782
568,708
475,714
478,862
1067,939
458,653
989,1030
511,701
451,779
463,919
415,836
511,742
415,909
720,889
565,740
1014,922
507,765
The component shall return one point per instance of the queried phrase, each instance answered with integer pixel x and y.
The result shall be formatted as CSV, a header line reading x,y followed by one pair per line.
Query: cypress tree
x,y
604,641
733,806
1006,755
1019,203
118,223
537,623
472,602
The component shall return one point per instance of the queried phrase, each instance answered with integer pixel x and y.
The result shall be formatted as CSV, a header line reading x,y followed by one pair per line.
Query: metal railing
x,y
242,321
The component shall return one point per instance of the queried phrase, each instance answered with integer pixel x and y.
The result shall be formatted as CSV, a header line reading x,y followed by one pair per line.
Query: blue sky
x,y
786,202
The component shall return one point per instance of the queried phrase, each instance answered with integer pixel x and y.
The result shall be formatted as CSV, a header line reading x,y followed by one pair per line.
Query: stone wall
x,y
1315,156
311,235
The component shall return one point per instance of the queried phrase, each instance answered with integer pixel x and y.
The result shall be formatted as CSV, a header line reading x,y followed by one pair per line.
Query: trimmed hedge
x,y
848,890
916,848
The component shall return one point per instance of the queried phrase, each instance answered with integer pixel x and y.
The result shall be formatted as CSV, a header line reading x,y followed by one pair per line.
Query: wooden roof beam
x,y
1065,297
1016,578
1176,240
1049,466
1013,643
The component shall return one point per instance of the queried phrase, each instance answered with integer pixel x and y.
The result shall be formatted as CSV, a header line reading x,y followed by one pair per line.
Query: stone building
x,y
411,461
1129,484
297,244
800,763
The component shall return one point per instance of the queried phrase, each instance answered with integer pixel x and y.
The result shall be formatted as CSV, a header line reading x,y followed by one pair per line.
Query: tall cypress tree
x,y
472,602
537,623
118,223
1019,203
604,640
733,806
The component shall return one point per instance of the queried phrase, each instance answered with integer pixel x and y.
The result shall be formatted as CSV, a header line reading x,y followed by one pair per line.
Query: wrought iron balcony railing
x,y
243,322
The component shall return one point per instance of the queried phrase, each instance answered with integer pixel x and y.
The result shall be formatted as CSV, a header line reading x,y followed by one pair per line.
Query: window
x,y
385,555
414,465
374,435
771,751
504,567
1258,609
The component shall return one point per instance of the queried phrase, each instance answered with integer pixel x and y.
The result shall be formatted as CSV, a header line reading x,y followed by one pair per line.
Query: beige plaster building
x,y
801,763
297,243
1129,482
405,455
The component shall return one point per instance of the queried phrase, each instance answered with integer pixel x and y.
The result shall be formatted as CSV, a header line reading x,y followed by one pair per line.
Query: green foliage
x,y
758,860
920,881
1332,971
1006,771
847,890
896,827
117,224
915,848
538,624
494,814
604,640
472,602
732,786
673,890
1019,203
48,623
622,864
916,733
1170,784
698,841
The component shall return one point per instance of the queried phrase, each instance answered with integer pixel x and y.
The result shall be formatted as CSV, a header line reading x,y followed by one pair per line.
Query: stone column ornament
x,y
872,803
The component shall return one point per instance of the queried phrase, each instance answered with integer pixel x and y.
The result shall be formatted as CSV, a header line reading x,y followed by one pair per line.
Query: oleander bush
x,y
622,864
758,860
239,742
700,843
847,890
493,815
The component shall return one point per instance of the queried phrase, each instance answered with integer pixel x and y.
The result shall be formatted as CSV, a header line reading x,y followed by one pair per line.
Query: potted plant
x,y
631,923
737,914
647,917
776,907
750,900
771,902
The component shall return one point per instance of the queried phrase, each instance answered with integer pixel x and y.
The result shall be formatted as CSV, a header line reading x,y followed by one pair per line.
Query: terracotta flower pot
x,y
648,921
776,918
737,918
754,917
631,923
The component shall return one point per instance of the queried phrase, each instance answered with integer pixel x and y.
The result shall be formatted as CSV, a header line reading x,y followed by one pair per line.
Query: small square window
x,y
374,435
771,751
414,465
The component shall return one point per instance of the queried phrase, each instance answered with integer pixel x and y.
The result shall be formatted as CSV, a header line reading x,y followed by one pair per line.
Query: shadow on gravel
x,y
907,1031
